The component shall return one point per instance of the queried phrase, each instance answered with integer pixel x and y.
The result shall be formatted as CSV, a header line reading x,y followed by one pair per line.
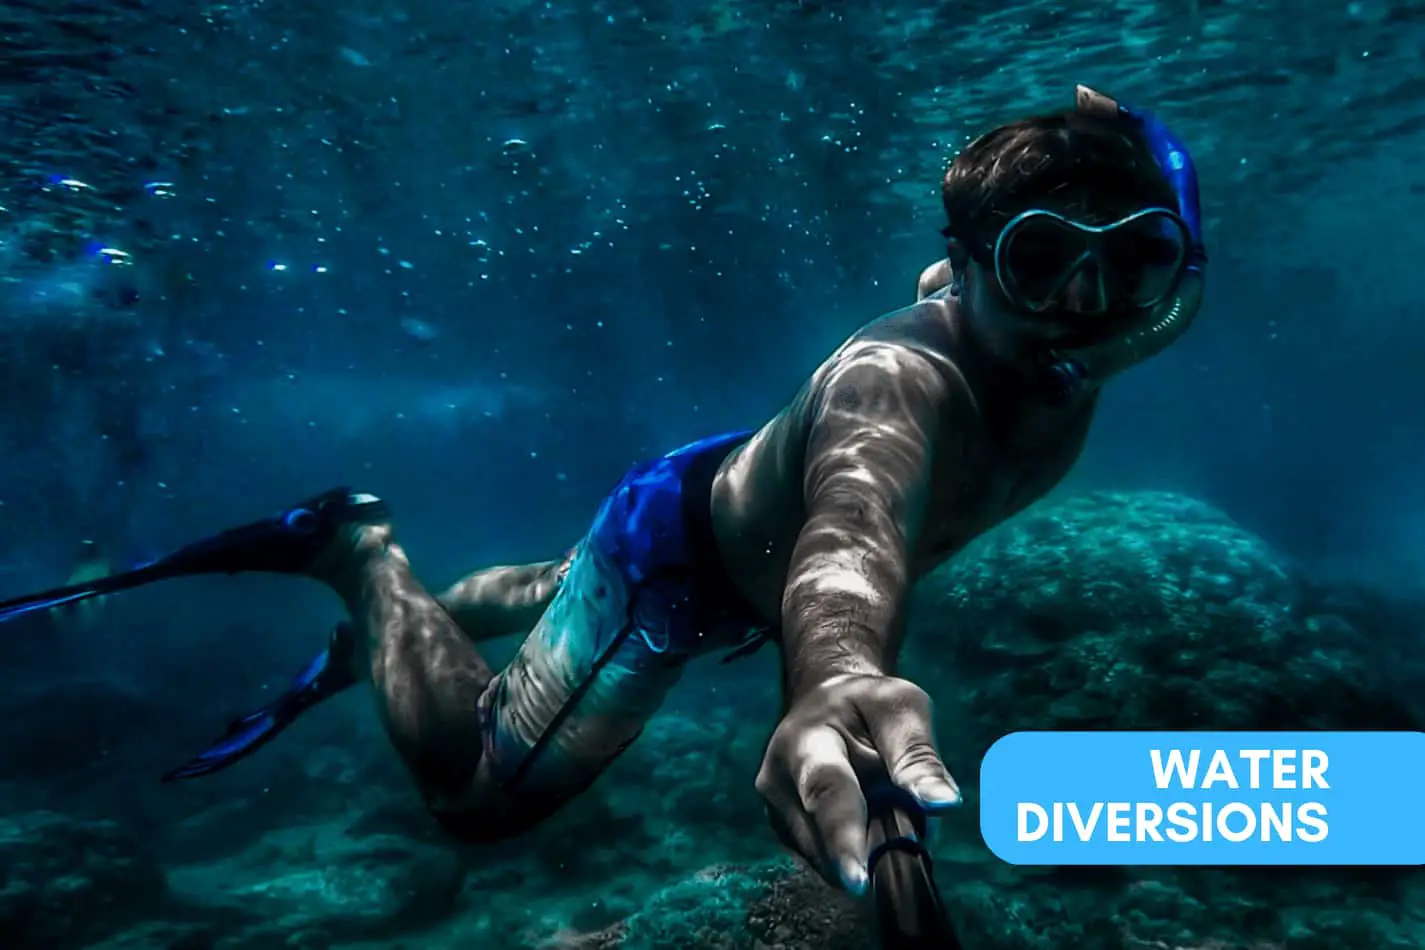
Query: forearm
x,y
841,610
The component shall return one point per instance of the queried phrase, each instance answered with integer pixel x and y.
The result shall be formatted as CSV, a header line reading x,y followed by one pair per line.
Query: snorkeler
x,y
1074,252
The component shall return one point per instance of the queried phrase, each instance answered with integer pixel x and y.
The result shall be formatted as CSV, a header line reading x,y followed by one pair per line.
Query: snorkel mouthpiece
x,y
1063,378
1066,375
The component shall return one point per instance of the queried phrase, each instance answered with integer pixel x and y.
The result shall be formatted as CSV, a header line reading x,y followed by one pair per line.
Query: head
x,y
1069,244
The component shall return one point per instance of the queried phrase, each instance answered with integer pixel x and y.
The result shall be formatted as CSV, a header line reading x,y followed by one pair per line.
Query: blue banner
x,y
1224,798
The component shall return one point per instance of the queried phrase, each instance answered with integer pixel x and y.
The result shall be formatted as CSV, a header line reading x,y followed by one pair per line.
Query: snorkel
x,y
1068,372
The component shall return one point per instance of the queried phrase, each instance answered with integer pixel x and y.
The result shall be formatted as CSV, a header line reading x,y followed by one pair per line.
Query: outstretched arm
x,y
848,716
867,466
501,601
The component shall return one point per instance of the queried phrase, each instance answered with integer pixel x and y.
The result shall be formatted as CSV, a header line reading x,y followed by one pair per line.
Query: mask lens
x,y
1143,258
1038,257
1045,261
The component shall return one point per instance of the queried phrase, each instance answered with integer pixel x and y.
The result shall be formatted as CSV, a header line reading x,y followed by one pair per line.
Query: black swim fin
x,y
281,545
76,593
327,674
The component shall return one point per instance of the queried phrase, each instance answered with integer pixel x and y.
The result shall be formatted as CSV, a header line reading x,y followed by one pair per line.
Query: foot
x,y
334,536
309,538
346,560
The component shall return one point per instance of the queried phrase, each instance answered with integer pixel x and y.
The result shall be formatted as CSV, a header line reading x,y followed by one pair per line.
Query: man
x,y
1074,251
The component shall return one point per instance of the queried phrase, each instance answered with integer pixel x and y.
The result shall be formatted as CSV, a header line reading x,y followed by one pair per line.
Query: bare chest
x,y
981,479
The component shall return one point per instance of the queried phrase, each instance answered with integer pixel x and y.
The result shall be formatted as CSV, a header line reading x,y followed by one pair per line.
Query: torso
x,y
1012,450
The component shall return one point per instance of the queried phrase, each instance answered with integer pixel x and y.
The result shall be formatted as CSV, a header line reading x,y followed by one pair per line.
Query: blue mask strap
x,y
1177,165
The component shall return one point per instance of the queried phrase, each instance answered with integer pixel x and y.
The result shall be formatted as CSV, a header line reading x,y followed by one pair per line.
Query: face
x,y
999,326
1053,283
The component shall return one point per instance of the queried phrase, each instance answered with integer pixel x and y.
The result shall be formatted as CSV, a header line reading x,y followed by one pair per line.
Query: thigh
x,y
583,684
576,695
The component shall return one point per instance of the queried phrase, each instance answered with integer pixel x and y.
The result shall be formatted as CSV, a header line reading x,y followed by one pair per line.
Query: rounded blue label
x,y
1224,798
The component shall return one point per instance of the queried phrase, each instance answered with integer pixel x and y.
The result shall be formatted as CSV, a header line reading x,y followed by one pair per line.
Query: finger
x,y
790,823
793,828
831,796
907,746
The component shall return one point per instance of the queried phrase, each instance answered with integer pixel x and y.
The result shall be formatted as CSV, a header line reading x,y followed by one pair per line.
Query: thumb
x,y
907,746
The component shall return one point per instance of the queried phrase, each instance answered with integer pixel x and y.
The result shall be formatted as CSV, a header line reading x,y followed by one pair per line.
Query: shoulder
x,y
876,411
896,376
934,278
906,357
864,366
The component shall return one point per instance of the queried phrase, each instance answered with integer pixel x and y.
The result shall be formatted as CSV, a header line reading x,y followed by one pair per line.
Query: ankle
x,y
347,564
371,540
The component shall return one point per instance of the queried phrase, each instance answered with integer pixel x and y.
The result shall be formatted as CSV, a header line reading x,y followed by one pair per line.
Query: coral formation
x,y
1142,610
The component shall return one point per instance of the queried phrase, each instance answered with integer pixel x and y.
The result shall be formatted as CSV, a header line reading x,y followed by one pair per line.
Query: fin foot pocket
x,y
286,544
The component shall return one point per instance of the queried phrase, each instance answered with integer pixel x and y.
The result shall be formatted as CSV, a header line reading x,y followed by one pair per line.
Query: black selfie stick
x,y
909,912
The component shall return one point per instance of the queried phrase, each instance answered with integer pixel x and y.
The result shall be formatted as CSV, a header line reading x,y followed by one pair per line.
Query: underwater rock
x,y
779,905
309,887
1137,611
797,909
1186,909
774,905
1142,610
704,910
1147,611
162,935
66,882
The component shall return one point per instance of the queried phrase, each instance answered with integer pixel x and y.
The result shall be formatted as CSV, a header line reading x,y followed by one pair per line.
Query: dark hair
x,y
1067,162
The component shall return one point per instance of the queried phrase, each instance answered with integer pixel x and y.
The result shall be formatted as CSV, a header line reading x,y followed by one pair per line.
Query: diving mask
x,y
1045,261
1146,270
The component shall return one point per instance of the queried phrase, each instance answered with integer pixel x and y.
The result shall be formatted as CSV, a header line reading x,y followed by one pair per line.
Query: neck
x,y
997,360
1008,368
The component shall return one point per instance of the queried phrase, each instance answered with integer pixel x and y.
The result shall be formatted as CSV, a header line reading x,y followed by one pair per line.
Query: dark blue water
x,y
479,258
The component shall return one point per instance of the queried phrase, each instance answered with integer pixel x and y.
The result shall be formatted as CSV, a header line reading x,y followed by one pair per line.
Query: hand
x,y
850,730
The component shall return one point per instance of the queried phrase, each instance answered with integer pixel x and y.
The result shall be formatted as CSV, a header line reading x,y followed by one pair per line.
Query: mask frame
x,y
1094,251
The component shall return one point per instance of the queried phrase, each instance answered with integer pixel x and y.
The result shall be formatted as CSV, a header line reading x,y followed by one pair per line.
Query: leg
x,y
577,694
426,674
487,604
492,756
500,601
495,755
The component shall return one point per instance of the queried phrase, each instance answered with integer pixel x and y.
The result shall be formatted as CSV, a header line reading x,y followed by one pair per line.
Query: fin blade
x,y
77,593
48,600
319,680
236,744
